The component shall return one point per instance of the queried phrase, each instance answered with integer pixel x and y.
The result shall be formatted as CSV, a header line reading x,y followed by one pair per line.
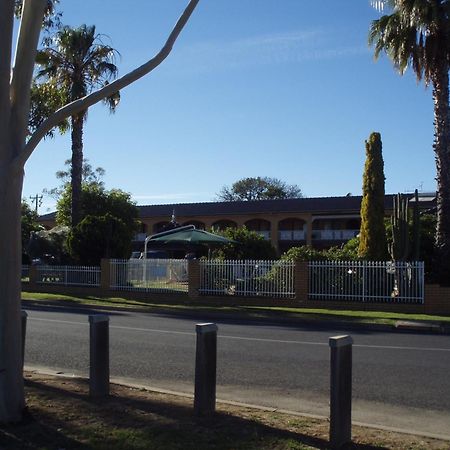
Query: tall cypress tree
x,y
372,243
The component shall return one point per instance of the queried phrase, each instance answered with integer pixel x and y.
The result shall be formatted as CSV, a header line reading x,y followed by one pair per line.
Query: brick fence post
x,y
301,280
193,278
105,274
32,277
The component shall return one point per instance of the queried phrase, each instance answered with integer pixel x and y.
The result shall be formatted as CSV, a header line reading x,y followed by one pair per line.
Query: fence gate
x,y
150,275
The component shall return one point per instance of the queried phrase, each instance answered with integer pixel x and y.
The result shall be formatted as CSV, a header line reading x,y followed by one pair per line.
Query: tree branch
x,y
30,29
117,85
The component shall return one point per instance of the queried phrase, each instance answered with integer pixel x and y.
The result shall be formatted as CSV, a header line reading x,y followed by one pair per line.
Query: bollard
x,y
205,369
99,355
340,391
24,334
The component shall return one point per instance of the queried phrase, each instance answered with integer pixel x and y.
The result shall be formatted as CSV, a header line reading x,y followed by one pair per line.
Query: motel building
x,y
320,222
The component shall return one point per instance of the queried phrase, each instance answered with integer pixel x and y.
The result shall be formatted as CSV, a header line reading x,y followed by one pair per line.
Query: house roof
x,y
315,205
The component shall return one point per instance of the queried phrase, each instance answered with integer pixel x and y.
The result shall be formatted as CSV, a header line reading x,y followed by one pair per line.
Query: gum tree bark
x,y
15,150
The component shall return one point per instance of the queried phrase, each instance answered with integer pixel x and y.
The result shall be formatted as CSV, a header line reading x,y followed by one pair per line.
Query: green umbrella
x,y
188,236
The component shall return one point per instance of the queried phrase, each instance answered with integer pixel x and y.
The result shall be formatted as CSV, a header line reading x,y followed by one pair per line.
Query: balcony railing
x,y
334,235
288,235
140,237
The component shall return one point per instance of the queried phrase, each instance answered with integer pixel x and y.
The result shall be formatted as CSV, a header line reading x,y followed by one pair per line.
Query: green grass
x,y
374,317
371,316
61,415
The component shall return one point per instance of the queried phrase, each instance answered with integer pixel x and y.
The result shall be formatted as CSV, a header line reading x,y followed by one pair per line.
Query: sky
x,y
280,88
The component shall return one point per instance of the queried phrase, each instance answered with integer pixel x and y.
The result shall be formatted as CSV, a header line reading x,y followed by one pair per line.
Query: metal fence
x,y
367,281
149,275
68,275
247,278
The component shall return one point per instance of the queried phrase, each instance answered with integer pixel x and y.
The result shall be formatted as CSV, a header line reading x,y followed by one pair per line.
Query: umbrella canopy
x,y
188,235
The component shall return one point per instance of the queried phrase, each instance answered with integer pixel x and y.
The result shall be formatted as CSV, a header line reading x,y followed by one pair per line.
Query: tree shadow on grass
x,y
35,433
62,415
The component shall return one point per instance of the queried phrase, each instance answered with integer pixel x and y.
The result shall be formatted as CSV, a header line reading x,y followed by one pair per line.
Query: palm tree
x,y
78,62
417,35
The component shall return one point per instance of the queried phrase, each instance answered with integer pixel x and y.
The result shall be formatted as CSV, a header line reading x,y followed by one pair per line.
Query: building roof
x,y
315,205
297,205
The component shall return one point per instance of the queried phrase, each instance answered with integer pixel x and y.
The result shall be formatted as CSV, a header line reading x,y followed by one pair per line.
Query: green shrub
x,y
95,238
249,245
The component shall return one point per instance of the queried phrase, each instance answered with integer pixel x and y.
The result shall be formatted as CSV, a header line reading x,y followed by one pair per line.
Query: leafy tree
x,y
249,245
97,237
29,223
259,188
77,62
89,176
52,17
417,34
50,245
372,243
112,212
16,146
96,201
46,98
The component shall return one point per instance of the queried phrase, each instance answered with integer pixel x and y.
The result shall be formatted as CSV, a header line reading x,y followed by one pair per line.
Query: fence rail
x,y
149,275
367,281
247,278
68,275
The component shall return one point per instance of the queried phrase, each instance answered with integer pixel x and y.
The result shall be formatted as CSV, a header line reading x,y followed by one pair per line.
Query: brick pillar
x,y
193,278
32,274
105,276
301,280
309,225
274,234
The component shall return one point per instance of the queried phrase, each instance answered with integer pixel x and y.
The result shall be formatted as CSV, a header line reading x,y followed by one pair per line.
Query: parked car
x,y
155,254
135,255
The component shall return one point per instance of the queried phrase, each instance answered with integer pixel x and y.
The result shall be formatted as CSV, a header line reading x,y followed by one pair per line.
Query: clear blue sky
x,y
285,89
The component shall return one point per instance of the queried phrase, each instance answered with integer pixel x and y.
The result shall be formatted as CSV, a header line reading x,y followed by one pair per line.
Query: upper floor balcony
x,y
334,235
292,235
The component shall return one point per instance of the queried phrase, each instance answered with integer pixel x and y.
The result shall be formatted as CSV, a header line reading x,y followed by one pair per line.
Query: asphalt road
x,y
400,380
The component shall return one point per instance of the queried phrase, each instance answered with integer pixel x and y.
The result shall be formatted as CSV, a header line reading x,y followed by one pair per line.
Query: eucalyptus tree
x,y
416,35
16,146
77,62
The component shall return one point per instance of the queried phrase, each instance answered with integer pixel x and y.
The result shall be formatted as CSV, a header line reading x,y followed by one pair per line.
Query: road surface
x,y
400,380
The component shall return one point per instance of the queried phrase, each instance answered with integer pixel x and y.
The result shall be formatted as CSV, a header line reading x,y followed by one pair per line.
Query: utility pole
x,y
37,200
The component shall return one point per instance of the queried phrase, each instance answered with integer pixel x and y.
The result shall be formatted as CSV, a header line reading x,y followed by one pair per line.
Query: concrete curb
x,y
127,383
245,315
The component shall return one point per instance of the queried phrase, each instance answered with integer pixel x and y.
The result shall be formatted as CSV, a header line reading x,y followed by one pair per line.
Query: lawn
x,y
62,416
362,317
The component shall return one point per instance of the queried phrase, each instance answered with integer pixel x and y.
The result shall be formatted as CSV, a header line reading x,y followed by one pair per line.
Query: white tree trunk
x,y
11,379
14,152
